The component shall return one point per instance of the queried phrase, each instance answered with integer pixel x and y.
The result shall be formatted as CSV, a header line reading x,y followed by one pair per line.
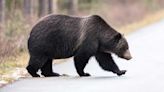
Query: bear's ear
x,y
118,36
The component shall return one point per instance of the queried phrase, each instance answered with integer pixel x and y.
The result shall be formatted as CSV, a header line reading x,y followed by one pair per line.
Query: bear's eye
x,y
123,48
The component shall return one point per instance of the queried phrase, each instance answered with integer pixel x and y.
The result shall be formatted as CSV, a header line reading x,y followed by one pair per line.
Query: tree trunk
x,y
42,8
50,6
2,11
2,16
47,7
27,9
55,6
72,7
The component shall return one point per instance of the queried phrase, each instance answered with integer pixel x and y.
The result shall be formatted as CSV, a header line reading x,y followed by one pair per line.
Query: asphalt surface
x,y
145,72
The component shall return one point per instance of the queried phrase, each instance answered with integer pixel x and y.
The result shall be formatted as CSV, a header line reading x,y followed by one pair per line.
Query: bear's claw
x,y
85,75
51,75
121,72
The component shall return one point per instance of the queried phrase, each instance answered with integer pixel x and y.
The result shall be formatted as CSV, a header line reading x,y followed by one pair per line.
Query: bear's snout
x,y
127,55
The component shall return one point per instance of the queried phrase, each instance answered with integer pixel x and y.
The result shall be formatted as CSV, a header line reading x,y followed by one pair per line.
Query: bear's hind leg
x,y
106,62
35,63
32,71
47,70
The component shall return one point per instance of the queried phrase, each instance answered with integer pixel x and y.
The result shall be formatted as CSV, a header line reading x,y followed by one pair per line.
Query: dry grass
x,y
13,39
9,65
13,36
147,20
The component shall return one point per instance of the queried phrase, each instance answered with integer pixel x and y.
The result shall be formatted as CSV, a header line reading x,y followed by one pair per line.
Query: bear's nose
x,y
127,55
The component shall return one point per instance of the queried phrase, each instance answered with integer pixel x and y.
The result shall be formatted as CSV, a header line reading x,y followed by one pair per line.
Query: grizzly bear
x,y
62,36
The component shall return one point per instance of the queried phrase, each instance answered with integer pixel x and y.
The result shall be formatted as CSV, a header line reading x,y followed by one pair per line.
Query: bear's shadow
x,y
99,77
108,77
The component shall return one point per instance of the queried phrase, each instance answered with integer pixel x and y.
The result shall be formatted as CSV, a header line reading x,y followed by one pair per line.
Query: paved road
x,y
145,71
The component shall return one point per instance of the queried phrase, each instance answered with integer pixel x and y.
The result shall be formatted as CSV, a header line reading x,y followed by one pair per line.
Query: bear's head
x,y
118,45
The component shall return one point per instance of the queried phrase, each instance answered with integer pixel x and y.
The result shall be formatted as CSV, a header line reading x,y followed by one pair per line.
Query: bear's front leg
x,y
80,62
107,63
